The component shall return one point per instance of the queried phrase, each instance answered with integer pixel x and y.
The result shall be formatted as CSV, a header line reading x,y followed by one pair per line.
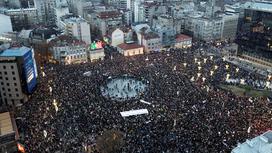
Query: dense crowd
x,y
189,112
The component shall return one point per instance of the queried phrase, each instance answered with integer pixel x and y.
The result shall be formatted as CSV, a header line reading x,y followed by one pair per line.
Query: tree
x,y
111,141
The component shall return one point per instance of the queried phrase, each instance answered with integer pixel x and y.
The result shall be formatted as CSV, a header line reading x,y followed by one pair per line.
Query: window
x,y
8,89
4,67
7,84
13,73
17,95
5,73
16,89
9,95
12,67
6,78
15,84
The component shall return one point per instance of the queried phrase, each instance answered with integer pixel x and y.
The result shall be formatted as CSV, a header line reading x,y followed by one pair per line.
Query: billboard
x,y
29,72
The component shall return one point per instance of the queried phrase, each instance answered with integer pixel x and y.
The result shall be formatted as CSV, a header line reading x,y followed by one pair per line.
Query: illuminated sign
x,y
29,72
96,45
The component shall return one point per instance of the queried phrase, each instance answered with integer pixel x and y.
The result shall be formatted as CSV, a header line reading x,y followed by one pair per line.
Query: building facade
x,y
254,39
5,24
77,27
183,41
130,49
45,11
67,50
151,42
18,75
106,20
96,54
230,23
23,18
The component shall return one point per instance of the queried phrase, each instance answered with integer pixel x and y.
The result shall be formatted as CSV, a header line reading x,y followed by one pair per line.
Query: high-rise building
x,y
18,75
77,27
46,11
5,24
23,18
230,23
255,33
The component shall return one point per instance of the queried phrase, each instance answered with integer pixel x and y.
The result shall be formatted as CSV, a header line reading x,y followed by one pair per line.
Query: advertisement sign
x,y
29,72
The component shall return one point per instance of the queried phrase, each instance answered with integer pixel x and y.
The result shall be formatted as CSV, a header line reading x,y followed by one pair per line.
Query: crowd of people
x,y
189,112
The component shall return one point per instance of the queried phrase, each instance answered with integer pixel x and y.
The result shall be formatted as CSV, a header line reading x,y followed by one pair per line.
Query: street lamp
x,y
184,64
203,79
227,67
55,105
211,57
198,75
228,76
237,70
211,73
215,67
195,60
199,68
242,81
50,89
205,60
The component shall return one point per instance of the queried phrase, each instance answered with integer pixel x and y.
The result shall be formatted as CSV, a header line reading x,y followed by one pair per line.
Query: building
x,y
151,42
183,41
59,12
46,12
5,24
116,37
230,24
8,133
23,18
18,75
77,27
167,27
39,39
106,20
130,49
140,28
254,37
67,50
203,28
259,144
96,54
147,10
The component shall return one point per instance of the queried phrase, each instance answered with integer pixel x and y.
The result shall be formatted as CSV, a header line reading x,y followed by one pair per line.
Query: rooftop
x,y
151,35
182,37
72,19
259,5
127,46
260,144
65,40
108,14
15,51
6,126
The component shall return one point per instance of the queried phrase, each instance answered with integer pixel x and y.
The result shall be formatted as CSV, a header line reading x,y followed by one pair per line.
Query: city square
x,y
184,115
135,76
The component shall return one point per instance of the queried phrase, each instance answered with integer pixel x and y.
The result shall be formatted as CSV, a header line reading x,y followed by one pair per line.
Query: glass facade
x,y
255,37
